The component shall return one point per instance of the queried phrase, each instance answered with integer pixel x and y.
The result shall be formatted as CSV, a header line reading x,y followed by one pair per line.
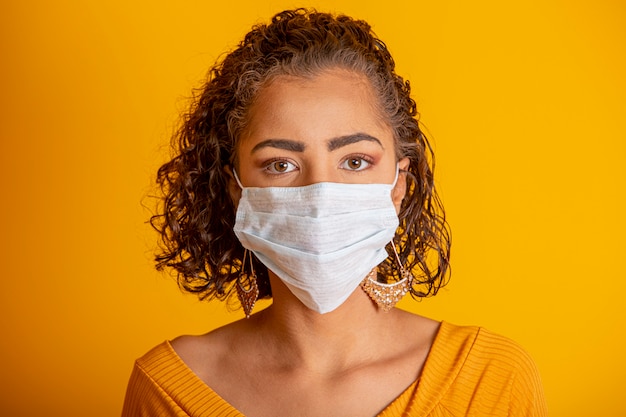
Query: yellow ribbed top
x,y
469,372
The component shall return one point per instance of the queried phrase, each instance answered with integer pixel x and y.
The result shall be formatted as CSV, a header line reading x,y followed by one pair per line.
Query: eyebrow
x,y
349,139
286,144
333,144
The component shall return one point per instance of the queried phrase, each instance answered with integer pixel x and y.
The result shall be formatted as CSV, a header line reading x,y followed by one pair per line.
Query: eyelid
x,y
267,166
366,158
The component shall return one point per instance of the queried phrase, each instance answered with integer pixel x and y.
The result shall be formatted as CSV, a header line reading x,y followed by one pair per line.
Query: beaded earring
x,y
386,296
247,296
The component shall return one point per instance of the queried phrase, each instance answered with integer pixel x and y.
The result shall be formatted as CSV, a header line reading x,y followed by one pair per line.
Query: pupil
x,y
280,166
355,163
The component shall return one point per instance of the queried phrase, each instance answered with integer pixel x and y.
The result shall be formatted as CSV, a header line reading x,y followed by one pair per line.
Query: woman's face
x,y
323,129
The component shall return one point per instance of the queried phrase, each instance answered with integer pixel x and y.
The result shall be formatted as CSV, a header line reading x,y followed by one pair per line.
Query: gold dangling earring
x,y
247,297
386,296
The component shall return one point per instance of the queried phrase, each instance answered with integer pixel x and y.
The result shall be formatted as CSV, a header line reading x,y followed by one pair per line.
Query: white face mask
x,y
321,240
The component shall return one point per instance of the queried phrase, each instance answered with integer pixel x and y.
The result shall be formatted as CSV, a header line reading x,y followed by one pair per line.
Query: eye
x,y
355,163
280,167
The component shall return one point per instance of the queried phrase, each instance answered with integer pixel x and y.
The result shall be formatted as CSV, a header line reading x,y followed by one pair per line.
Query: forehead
x,y
334,102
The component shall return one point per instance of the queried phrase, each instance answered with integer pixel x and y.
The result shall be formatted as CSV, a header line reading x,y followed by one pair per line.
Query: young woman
x,y
301,174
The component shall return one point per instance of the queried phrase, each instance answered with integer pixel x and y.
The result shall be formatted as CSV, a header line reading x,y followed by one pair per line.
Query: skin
x,y
287,359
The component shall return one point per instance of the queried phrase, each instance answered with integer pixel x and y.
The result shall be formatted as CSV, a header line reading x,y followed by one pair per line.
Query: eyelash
x,y
364,158
268,165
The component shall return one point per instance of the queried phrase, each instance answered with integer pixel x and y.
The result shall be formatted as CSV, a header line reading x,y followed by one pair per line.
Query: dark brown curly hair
x,y
196,216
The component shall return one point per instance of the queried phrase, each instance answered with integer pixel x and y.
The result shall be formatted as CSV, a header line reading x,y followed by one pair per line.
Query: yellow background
x,y
525,101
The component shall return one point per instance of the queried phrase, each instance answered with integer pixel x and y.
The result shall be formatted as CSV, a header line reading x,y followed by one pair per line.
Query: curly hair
x,y
196,215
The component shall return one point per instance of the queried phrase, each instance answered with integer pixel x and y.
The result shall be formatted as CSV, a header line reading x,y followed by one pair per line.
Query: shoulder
x,y
480,350
161,354
481,345
159,367
484,369
503,359
512,366
162,384
206,354
147,392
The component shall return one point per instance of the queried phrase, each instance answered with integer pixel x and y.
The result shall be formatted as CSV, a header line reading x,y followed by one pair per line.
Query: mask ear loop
x,y
239,182
395,180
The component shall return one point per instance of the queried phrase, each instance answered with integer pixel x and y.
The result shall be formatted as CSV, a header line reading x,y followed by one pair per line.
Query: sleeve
x,y
527,396
145,398
497,377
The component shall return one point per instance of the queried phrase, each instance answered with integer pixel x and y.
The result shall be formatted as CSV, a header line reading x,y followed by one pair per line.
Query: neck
x,y
325,342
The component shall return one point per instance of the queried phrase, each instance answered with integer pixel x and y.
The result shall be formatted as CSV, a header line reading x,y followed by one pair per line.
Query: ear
x,y
233,187
399,191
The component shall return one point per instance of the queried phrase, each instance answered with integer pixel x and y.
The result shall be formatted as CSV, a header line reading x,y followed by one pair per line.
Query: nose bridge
x,y
320,170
